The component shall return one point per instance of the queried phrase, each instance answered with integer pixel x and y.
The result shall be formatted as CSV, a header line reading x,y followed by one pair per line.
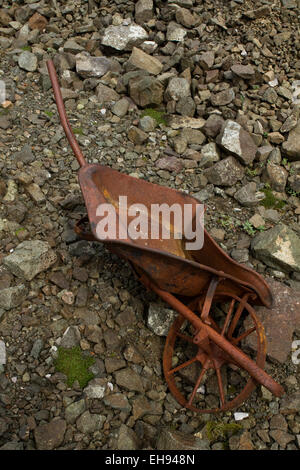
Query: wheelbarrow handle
x,y
63,115
258,374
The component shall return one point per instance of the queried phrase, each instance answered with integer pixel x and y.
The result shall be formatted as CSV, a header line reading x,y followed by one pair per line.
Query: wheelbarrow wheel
x,y
195,375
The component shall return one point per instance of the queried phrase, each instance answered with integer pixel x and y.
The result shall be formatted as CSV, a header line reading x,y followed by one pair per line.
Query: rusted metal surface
x,y
191,281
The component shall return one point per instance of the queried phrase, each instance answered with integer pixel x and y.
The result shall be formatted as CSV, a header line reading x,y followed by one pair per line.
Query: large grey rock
x,y
226,172
276,176
279,248
223,97
160,318
30,258
96,388
234,139
50,436
28,61
169,439
71,337
243,71
209,155
87,66
292,146
124,37
12,296
280,321
175,32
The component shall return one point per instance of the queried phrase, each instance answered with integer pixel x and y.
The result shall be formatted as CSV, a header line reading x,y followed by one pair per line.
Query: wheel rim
x,y
187,389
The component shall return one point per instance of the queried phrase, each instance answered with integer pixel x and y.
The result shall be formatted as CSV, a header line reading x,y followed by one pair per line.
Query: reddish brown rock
x,y
37,21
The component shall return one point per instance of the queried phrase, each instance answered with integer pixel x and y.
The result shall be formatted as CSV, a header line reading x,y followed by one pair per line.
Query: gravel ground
x,y
223,78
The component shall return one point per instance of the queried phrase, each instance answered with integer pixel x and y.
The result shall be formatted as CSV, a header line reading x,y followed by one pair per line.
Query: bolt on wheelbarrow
x,y
213,294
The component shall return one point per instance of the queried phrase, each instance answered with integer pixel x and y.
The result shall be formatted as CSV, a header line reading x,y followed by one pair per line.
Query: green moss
x,y
49,114
157,115
270,201
216,431
78,130
74,365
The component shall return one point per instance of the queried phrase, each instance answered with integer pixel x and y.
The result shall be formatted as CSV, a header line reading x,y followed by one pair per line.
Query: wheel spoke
x,y
182,366
244,335
185,338
220,385
228,316
237,316
197,384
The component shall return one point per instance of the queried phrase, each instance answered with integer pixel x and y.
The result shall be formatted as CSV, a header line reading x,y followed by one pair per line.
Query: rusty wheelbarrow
x,y
212,293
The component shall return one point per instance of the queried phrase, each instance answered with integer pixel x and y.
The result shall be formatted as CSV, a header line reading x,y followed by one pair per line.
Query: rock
x,y
186,18
209,155
37,347
276,176
223,97
244,71
124,38
28,61
280,321
137,136
106,94
2,353
169,163
270,95
241,442
193,136
35,193
169,439
206,60
144,61
160,318
37,21
186,106
74,410
146,91
177,88
178,122
50,436
12,445
88,423
281,437
248,196
121,107
12,296
95,389
226,172
234,139
127,439
290,404
25,155
147,124
30,258
71,46
279,248
143,11
117,401
292,146
257,221
129,379
87,66
213,125
175,32
71,337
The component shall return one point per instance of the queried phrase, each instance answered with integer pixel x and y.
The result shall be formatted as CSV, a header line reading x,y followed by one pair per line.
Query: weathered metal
x,y
192,282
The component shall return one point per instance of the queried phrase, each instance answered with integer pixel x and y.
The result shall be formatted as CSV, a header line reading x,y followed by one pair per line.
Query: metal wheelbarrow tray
x,y
212,293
